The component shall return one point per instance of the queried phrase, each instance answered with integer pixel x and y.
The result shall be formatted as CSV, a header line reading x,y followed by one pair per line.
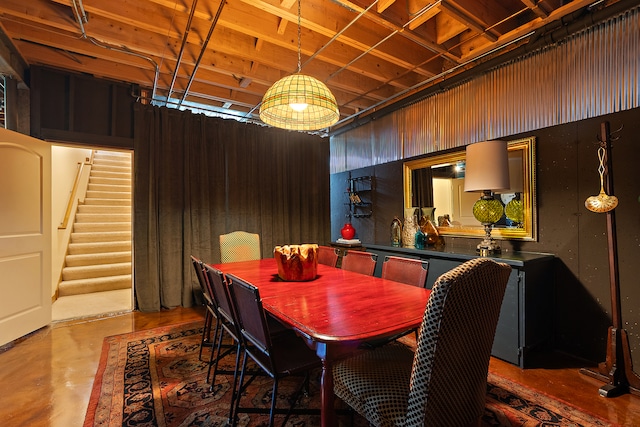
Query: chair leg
x,y
234,410
206,332
215,355
274,397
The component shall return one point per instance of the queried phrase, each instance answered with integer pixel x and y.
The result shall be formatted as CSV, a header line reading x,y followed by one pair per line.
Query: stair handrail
x,y
74,191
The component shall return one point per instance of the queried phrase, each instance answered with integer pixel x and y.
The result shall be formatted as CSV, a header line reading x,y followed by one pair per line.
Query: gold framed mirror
x,y
438,182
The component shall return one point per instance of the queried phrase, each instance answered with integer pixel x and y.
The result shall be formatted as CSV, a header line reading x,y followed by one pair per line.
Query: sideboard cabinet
x,y
525,322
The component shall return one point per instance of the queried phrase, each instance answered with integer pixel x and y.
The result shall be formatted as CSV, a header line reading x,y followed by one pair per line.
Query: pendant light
x,y
298,101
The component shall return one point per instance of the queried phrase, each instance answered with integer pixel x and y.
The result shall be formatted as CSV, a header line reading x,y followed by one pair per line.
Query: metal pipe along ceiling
x,y
185,35
202,51
81,18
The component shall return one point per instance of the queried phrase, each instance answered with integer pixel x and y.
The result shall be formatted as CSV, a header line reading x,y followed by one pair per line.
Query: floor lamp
x,y
617,369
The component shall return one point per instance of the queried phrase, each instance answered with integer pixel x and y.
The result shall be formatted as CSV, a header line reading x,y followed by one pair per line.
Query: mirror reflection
x,y
437,182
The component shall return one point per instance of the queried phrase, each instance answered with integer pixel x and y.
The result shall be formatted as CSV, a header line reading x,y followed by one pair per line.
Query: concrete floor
x,y
47,376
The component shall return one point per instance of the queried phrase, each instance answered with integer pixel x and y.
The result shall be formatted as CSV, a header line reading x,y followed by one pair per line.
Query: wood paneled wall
x,y
77,108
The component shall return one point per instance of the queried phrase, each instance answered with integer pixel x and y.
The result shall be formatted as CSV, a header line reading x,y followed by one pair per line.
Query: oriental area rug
x,y
155,378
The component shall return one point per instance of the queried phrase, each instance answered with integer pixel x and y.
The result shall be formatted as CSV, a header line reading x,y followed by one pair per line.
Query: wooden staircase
x,y
99,253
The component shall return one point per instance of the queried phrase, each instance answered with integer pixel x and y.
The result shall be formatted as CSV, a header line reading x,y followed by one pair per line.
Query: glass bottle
x,y
420,239
396,232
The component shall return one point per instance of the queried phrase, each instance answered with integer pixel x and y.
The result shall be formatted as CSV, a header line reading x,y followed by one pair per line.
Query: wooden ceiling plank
x,y
282,26
529,27
383,5
424,17
468,20
531,4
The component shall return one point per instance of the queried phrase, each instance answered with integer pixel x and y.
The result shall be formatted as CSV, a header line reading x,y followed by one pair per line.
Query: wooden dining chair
x,y
444,382
327,255
360,262
287,355
210,309
239,246
405,270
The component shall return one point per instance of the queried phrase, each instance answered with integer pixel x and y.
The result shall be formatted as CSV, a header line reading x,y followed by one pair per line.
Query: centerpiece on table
x,y
297,263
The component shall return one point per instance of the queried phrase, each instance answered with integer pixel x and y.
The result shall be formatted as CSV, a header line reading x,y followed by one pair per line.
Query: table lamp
x,y
487,170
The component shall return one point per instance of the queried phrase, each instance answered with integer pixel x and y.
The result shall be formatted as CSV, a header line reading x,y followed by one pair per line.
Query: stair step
x,y
109,180
93,227
98,247
105,167
95,217
109,187
111,155
107,174
98,258
102,209
95,271
86,286
104,236
107,202
112,161
108,195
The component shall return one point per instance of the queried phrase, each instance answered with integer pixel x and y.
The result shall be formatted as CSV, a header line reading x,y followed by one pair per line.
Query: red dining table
x,y
335,313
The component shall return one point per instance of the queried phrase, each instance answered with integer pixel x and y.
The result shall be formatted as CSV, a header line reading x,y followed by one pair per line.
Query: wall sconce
x,y
487,170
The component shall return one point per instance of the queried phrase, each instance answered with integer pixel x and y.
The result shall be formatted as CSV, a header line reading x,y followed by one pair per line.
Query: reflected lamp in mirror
x,y
487,170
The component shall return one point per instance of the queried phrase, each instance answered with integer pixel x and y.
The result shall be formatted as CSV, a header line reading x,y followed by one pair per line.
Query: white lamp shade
x,y
487,166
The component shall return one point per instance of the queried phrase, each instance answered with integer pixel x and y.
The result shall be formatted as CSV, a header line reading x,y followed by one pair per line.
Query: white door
x,y
25,235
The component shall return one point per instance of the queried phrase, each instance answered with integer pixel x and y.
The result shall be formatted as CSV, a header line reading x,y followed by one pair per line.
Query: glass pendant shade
x,y
299,102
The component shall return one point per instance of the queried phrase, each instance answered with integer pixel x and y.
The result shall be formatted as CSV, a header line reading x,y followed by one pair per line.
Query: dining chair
x,y
444,382
239,246
228,326
281,356
359,262
405,270
210,310
327,255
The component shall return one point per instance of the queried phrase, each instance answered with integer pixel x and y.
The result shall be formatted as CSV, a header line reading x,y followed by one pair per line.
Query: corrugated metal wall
x,y
592,73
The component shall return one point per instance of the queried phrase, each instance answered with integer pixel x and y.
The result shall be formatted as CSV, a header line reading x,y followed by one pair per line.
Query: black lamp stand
x,y
617,370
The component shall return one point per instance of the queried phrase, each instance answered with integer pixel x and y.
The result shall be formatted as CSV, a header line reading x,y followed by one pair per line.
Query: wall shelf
x,y
358,193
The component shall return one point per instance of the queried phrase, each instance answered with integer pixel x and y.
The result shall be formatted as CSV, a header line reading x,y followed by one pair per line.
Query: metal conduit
x,y
548,34
81,17
202,51
184,42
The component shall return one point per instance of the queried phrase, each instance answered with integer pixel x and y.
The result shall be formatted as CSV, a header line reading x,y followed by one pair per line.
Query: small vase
x,y
396,232
427,215
420,239
409,229
348,232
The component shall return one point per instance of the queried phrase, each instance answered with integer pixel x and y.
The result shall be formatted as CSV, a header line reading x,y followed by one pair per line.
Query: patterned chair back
x,y
239,246
451,363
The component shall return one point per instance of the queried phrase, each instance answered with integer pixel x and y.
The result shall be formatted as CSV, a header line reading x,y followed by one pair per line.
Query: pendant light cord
x,y
299,37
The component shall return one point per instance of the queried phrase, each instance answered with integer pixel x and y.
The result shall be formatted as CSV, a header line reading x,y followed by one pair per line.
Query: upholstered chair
x,y
444,382
239,246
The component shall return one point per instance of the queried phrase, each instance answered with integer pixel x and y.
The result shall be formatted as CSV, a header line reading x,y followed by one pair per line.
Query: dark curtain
x,y
196,177
422,186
